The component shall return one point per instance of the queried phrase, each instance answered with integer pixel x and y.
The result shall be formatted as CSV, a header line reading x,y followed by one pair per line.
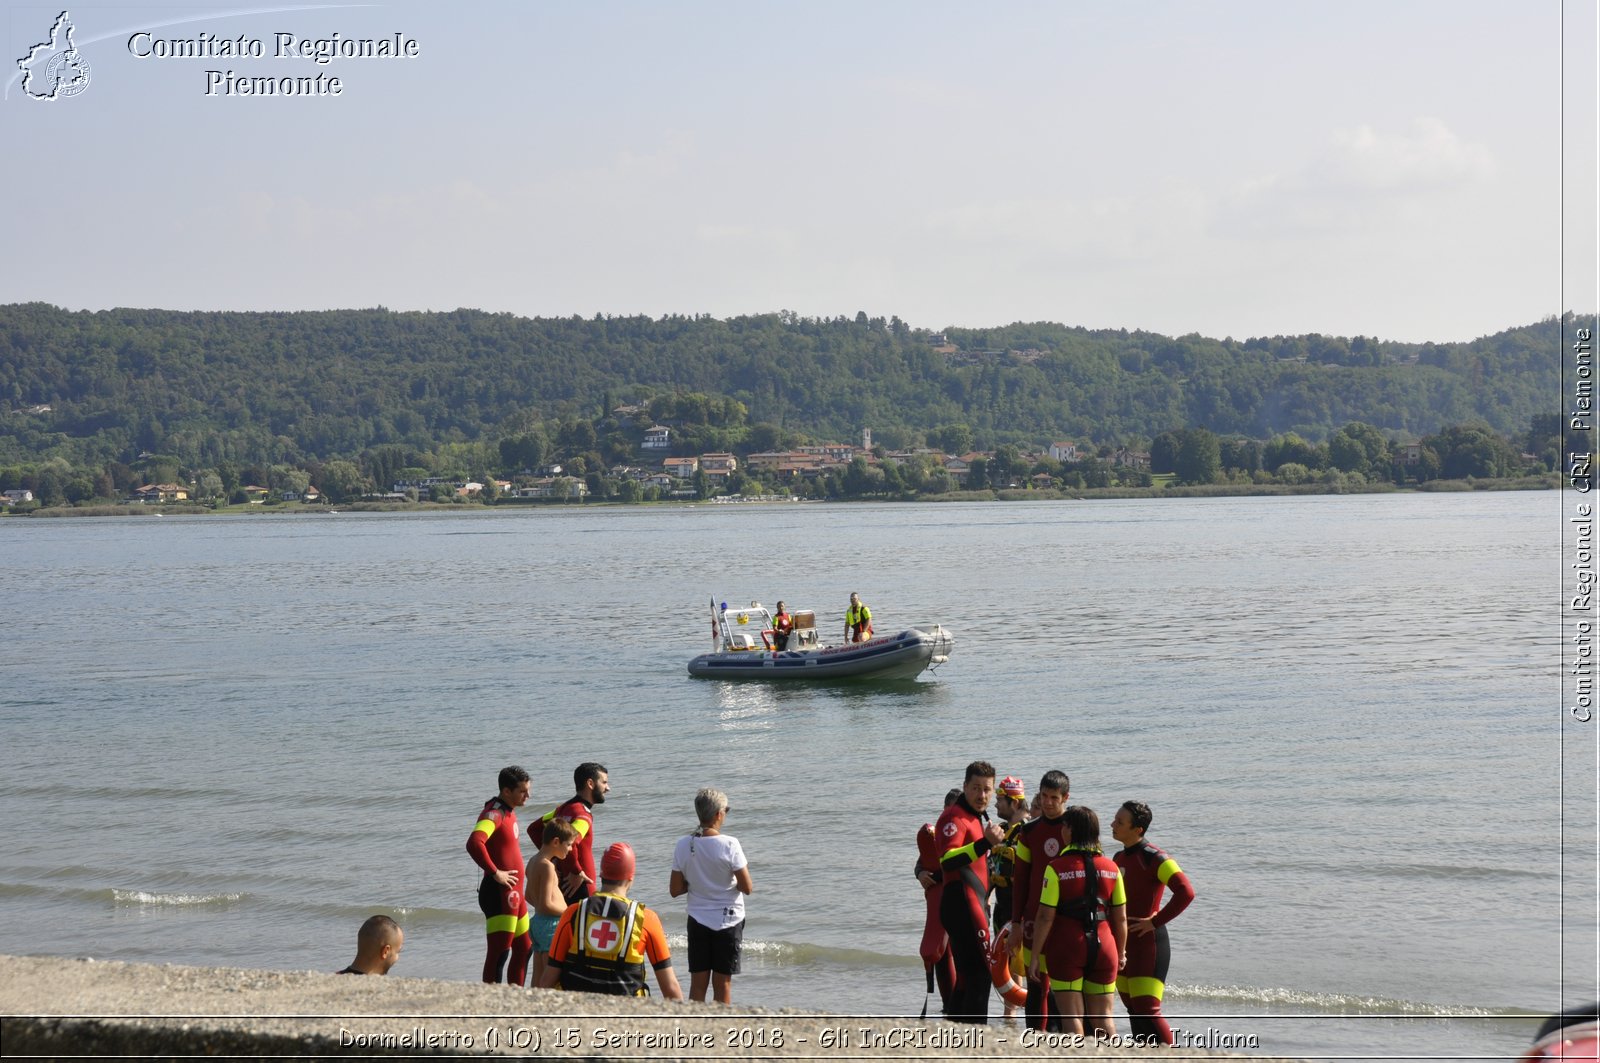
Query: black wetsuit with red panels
x,y
964,907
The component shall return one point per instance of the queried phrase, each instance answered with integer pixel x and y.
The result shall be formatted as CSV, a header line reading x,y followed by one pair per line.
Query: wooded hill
x,y
272,387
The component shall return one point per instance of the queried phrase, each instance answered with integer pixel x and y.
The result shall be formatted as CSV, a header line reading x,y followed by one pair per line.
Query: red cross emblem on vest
x,y
603,934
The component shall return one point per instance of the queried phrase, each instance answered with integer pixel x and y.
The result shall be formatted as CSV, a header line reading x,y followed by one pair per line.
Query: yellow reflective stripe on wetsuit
x,y
1168,868
967,854
1050,889
579,824
515,925
1141,986
484,825
1081,985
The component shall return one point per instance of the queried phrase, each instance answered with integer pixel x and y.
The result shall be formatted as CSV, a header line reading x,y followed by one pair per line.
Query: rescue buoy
x,y
1011,991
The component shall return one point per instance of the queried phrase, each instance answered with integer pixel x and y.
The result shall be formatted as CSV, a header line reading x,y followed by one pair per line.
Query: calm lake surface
x,y
228,740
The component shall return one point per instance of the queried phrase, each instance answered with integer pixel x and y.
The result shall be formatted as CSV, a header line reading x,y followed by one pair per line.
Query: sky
x,y
1406,169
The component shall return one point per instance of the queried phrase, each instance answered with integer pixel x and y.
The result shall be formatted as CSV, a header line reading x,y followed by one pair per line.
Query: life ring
x,y
1011,991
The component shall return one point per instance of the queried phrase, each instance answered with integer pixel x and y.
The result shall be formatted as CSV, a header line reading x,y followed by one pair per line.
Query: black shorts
x,y
715,950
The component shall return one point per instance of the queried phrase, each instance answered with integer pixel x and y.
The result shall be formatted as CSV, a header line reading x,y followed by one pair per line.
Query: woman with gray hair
x,y
711,868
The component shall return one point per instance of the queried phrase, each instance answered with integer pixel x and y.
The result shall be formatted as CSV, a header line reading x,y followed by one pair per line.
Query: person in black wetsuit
x,y
965,836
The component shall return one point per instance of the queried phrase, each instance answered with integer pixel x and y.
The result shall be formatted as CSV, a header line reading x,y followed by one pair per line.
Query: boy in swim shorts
x,y
544,889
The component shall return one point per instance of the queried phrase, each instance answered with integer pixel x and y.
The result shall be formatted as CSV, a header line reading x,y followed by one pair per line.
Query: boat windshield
x,y
742,625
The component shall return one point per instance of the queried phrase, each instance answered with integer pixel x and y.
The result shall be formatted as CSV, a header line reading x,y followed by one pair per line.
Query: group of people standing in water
x,y
1076,925
576,923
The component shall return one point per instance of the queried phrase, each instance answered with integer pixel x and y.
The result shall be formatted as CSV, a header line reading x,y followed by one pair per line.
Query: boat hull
x,y
901,656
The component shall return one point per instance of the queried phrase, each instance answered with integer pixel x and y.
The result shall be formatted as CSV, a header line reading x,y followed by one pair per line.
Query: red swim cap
x,y
617,863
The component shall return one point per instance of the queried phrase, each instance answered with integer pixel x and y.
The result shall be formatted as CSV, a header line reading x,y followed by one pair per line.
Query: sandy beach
x,y
52,1007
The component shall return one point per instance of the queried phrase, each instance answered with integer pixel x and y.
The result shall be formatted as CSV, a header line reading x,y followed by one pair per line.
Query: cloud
x,y
1363,179
1426,158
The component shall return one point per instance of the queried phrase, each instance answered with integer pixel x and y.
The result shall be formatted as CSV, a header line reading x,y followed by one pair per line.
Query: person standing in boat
x,y
782,625
857,620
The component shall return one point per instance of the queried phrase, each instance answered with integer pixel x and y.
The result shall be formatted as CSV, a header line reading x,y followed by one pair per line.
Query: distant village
x,y
662,473
657,466
675,476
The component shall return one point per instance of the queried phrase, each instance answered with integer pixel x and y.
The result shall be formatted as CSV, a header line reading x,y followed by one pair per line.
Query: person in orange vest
x,y
607,942
782,625
857,620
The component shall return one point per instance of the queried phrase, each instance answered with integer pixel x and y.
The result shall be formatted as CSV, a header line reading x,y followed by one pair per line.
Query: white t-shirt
x,y
708,866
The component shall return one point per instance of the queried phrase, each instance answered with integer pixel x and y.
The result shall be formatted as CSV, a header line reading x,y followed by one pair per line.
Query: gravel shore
x,y
52,1007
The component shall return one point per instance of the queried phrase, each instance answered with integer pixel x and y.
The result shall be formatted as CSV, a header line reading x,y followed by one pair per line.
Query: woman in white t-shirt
x,y
710,867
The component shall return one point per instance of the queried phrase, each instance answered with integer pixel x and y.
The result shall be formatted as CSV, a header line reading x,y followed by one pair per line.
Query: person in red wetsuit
x,y
1040,841
592,782
1082,928
493,846
782,628
965,836
1146,872
935,947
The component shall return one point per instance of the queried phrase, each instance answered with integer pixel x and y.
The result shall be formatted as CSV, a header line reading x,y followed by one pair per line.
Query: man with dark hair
x,y
1146,871
782,628
965,836
493,847
1041,840
592,782
378,945
603,942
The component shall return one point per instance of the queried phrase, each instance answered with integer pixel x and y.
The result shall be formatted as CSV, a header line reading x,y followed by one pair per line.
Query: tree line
x,y
92,403
1355,456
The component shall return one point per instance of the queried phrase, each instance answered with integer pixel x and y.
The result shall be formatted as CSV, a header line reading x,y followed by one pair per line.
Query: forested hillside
x,y
272,387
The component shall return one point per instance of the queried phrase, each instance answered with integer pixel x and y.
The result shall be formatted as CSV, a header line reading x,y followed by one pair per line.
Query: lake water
x,y
228,740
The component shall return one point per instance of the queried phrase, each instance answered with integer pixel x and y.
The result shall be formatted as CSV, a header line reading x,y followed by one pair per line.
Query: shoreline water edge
x,y
1550,482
